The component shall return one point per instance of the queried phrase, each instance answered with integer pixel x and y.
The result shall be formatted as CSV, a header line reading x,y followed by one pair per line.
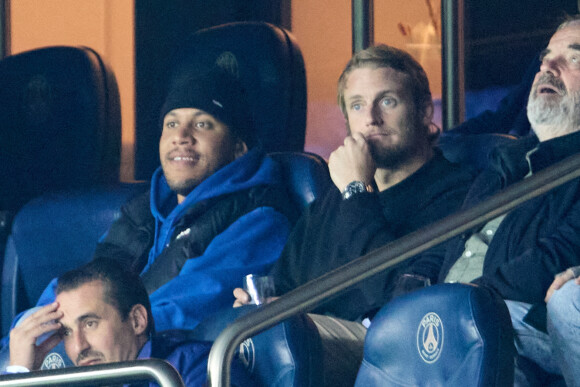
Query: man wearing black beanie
x,y
217,209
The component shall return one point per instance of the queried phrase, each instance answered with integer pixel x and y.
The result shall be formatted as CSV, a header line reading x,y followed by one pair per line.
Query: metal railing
x,y
99,375
453,63
311,294
363,24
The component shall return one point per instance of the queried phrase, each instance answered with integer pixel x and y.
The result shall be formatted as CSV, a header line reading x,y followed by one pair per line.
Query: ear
x,y
139,319
428,118
240,149
428,113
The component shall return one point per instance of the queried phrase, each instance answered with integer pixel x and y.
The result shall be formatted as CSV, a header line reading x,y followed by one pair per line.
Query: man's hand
x,y
23,349
352,162
243,298
559,281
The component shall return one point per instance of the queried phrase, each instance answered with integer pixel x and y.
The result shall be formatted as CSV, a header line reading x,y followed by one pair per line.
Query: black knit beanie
x,y
218,93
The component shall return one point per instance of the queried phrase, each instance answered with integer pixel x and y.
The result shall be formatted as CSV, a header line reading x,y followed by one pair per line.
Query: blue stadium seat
x,y
60,123
471,149
306,175
452,335
287,355
60,126
52,234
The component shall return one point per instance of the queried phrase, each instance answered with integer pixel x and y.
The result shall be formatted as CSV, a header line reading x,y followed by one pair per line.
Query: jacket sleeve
x,y
205,283
527,277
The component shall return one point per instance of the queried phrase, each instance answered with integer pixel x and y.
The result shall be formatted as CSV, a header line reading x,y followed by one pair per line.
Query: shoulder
x,y
178,347
138,208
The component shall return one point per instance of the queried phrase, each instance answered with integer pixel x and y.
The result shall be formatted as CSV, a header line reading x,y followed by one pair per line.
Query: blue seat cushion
x,y
442,335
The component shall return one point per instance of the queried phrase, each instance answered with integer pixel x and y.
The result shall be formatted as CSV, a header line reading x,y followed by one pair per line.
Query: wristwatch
x,y
355,187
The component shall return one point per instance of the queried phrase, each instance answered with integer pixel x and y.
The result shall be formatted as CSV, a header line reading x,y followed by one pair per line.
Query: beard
x,y
553,115
412,137
183,187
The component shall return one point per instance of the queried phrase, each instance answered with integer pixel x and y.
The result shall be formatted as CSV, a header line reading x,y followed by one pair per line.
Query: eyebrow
x,y
546,51
380,95
83,318
87,316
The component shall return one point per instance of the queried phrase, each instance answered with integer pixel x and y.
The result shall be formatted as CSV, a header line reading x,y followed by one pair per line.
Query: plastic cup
x,y
260,288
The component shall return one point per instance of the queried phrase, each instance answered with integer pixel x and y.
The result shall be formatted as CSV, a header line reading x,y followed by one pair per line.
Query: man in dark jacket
x,y
519,254
389,180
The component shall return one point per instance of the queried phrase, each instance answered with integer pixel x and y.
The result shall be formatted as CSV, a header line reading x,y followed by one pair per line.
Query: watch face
x,y
353,188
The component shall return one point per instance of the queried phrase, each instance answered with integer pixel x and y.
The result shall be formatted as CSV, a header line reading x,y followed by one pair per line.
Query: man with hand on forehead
x,y
103,315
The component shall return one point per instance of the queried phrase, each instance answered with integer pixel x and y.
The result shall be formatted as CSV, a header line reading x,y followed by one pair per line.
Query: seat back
x,y
60,123
51,234
442,335
288,354
271,69
471,149
306,175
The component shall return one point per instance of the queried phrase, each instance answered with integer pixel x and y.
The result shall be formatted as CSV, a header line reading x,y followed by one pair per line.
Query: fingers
x,y
559,281
242,297
23,338
40,322
352,162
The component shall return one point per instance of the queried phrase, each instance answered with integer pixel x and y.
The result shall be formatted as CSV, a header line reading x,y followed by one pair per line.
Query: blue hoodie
x,y
250,245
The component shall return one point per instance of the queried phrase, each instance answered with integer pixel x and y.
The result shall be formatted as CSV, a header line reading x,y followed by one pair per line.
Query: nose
x,y
79,344
551,65
374,116
184,134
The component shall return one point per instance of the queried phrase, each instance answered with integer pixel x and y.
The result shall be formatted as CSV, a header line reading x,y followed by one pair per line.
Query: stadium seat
x,y
287,355
51,234
306,175
471,149
60,123
452,335
60,129
60,126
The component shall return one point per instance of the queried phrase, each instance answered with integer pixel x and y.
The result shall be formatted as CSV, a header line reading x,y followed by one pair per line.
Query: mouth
x,y
377,135
548,89
187,157
89,362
